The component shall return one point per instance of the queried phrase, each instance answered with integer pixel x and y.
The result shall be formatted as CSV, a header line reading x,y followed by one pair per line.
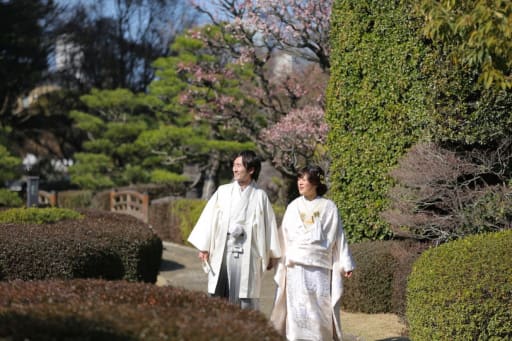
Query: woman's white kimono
x,y
309,275
261,243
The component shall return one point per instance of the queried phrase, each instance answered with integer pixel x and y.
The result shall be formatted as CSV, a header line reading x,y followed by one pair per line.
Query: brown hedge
x,y
379,282
120,310
101,245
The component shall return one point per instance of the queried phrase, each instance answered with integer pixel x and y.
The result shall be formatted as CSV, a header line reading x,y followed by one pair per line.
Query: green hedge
x,y
376,105
118,310
101,245
75,199
9,198
462,290
34,215
186,213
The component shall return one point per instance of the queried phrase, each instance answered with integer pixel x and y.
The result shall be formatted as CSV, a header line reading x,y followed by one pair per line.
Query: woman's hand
x,y
272,262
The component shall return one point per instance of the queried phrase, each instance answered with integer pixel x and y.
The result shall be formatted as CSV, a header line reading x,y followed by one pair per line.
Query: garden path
x,y
181,268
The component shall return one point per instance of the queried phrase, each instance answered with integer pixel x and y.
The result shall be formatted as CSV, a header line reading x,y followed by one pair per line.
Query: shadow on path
x,y
169,265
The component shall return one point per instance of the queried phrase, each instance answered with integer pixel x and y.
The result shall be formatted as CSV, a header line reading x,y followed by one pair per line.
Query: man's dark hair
x,y
250,161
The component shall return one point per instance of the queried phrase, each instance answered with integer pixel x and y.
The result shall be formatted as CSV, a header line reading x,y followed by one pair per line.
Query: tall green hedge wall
x,y
376,105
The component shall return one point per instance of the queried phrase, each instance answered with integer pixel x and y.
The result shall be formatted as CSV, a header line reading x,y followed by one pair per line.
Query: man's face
x,y
240,173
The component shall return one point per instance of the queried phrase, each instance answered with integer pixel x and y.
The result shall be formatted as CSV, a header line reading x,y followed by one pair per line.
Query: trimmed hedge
x,y
34,215
462,290
9,198
376,105
118,310
379,282
75,199
186,213
101,245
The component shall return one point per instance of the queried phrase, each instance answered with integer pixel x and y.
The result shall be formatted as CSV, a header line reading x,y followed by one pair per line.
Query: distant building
x,y
68,56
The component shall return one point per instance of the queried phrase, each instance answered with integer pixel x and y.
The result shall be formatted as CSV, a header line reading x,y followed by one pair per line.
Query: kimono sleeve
x,y
272,235
341,252
201,235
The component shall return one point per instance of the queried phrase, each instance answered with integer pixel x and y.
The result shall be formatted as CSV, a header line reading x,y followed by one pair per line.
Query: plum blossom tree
x,y
300,25
256,34
298,136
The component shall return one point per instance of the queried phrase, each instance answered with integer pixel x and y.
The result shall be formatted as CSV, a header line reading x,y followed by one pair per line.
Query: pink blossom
x,y
297,134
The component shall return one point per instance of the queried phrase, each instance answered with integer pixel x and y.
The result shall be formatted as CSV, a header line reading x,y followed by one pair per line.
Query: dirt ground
x,y
372,327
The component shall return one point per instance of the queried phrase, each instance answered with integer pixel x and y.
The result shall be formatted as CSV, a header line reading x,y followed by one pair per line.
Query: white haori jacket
x,y
261,243
323,245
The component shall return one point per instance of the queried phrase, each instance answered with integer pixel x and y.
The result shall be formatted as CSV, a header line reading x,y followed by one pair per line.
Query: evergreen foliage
x,y
142,138
9,165
75,199
34,215
462,290
376,105
187,212
9,198
465,114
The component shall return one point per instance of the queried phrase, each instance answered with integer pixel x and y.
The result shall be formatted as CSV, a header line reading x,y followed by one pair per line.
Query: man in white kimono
x,y
315,256
236,235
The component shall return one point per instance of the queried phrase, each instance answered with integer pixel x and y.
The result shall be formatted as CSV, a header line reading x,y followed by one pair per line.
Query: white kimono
x,y
309,275
261,243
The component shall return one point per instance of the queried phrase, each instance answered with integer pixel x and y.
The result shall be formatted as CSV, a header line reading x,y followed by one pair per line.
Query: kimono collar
x,y
251,184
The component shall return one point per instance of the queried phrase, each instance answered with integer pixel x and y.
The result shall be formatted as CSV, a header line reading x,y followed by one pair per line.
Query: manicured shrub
x,y
75,199
9,198
462,290
378,284
187,212
33,215
118,310
101,245
376,105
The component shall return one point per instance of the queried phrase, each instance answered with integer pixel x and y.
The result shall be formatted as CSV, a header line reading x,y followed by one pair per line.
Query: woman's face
x,y
306,188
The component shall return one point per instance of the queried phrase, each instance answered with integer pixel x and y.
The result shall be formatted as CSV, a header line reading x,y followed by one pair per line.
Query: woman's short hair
x,y
315,176
250,161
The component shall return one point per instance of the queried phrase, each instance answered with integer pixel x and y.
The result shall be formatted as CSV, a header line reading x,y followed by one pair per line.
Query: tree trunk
x,y
210,176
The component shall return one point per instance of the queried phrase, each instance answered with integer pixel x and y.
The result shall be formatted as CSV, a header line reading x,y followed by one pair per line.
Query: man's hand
x,y
203,256
347,274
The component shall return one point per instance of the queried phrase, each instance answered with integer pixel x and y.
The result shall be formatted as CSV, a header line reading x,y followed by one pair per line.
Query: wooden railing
x,y
47,198
130,202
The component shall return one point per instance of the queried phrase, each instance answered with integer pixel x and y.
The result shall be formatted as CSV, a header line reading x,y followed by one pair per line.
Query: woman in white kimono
x,y
315,256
